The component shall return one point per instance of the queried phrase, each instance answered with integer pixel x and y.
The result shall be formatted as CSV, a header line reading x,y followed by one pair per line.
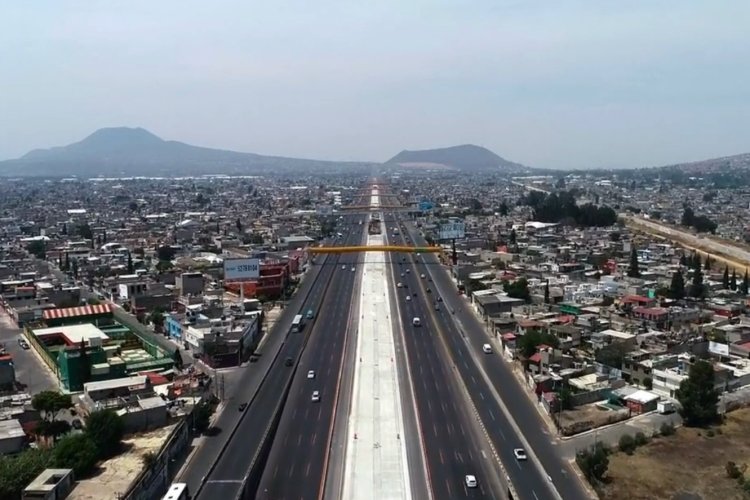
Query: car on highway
x,y
487,349
416,321
520,453
310,314
437,307
311,374
421,275
23,344
353,269
429,290
315,396
288,362
243,406
408,298
407,271
343,268
399,285
402,275
440,299
471,481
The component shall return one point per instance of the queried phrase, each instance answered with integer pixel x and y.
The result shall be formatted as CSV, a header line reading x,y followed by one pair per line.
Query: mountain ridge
x,y
465,157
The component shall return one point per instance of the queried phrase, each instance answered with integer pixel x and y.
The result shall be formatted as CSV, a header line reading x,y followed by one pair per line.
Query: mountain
x,y
121,151
467,157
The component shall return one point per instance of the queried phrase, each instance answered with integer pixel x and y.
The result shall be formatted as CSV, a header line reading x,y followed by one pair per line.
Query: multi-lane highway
x,y
297,464
498,399
451,442
228,470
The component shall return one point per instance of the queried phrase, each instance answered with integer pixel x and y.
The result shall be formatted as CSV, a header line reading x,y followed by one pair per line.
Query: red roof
x,y
509,336
536,358
73,312
637,298
566,318
650,311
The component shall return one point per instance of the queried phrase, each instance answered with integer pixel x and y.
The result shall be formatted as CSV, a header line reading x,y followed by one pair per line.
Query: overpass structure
x,y
376,248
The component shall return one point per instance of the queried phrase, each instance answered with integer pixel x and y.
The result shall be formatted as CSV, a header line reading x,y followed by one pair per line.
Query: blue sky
x,y
568,84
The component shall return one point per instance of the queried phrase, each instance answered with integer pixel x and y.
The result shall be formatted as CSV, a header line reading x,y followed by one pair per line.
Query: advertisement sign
x,y
452,231
236,269
718,348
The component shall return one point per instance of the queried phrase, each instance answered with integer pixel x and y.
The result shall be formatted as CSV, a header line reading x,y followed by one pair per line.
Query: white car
x,y
487,349
353,269
343,268
471,481
407,271
408,298
402,275
399,285
421,276
311,374
520,454
315,396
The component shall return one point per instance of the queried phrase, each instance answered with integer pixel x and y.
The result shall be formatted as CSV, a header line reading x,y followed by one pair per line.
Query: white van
x,y
487,349
416,322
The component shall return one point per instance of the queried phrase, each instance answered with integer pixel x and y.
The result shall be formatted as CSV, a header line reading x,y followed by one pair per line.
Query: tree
x,y
725,278
37,248
745,284
593,462
697,395
74,268
239,225
165,252
707,263
529,341
64,229
16,472
697,289
67,262
202,416
513,236
546,292
733,280
648,383
612,355
677,287
105,428
157,318
633,270
503,209
565,396
518,289
77,452
683,260
50,403
130,264
53,429
688,216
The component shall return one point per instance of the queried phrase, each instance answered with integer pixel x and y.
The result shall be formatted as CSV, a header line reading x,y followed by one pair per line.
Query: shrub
x,y
640,439
667,429
627,444
710,433
593,462
733,472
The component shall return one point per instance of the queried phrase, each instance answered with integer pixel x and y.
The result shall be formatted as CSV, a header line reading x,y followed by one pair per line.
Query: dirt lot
x,y
688,462
586,417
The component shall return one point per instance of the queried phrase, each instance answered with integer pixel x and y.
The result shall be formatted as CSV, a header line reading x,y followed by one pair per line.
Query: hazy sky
x,y
547,83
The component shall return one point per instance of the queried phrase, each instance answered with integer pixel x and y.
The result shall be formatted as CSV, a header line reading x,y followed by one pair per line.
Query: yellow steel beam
x,y
375,248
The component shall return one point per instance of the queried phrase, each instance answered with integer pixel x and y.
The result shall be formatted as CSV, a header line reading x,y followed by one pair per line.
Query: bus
x,y
297,323
177,491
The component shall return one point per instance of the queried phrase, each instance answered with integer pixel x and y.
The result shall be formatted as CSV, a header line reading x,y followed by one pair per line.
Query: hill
x,y
466,157
121,151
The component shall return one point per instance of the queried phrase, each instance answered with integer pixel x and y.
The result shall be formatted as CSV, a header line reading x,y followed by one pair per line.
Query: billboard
x,y
237,269
718,348
451,230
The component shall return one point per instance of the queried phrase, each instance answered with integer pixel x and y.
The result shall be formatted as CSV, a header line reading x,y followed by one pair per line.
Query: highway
x,y
452,443
297,464
495,393
227,469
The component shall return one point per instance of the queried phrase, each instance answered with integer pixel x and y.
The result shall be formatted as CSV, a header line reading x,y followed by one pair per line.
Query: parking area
x,y
31,372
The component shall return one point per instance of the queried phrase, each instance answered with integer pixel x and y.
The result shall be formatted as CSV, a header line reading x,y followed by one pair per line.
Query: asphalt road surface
x,y
495,394
297,464
228,466
452,443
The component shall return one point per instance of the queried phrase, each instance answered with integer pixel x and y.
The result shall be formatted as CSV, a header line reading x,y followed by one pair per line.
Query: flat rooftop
x,y
74,334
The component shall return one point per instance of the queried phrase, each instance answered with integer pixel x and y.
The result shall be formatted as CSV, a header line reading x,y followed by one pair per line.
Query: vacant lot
x,y
688,462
